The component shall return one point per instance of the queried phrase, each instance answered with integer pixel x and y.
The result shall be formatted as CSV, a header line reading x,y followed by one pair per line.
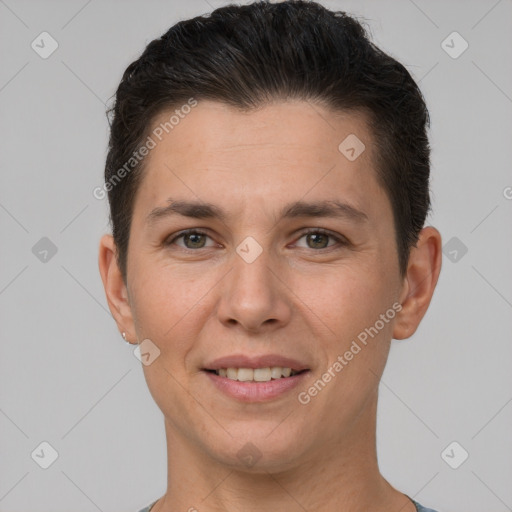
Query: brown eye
x,y
319,239
192,239
196,239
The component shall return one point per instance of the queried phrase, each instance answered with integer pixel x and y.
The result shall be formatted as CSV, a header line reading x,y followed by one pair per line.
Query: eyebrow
x,y
202,210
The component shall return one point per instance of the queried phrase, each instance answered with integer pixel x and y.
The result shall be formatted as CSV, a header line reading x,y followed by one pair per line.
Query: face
x,y
290,262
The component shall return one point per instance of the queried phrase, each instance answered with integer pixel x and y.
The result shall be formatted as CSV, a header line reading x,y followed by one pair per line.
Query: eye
x,y
318,238
315,238
192,238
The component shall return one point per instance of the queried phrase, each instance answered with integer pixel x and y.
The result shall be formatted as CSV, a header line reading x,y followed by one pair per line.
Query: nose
x,y
254,296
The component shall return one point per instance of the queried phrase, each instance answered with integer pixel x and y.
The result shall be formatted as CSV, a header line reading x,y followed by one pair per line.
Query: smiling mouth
x,y
257,374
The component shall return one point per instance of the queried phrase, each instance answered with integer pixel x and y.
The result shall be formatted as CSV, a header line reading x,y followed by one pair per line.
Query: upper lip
x,y
262,361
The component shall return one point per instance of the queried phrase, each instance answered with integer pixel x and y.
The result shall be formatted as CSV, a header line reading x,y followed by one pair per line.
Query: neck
x,y
336,476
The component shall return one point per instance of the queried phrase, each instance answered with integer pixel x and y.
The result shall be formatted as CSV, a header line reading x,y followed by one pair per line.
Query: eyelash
x,y
339,240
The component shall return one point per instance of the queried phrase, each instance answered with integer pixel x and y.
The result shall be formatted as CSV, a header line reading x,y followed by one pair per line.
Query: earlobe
x,y
115,288
420,281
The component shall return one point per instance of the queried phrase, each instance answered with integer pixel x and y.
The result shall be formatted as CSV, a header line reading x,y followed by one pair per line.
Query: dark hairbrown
x,y
246,56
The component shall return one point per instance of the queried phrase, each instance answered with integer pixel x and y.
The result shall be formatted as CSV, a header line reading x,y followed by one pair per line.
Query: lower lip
x,y
255,391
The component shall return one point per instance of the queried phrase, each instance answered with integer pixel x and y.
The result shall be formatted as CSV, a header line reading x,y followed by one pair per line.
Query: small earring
x,y
123,334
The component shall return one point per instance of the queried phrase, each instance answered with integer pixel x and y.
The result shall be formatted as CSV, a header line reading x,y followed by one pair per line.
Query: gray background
x,y
66,376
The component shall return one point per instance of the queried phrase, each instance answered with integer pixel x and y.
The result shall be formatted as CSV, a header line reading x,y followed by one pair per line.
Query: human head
x,y
270,140
248,56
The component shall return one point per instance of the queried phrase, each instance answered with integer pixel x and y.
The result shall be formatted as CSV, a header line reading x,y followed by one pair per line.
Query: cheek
x,y
352,309
167,306
348,299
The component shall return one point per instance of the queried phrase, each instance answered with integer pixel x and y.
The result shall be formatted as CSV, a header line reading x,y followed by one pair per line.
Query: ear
x,y
115,288
419,283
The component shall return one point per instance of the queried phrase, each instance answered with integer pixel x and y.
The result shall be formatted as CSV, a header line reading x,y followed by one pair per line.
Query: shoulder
x,y
420,508
148,508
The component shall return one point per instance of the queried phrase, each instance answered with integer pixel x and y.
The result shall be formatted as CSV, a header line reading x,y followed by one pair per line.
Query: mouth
x,y
266,374
256,379
256,385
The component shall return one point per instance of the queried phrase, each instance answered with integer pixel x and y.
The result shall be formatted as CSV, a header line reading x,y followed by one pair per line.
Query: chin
x,y
259,449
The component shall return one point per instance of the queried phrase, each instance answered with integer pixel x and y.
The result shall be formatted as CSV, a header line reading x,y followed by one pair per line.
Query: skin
x,y
303,297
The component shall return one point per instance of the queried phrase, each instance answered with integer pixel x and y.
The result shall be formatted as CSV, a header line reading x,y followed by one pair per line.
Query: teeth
x,y
256,375
261,374
286,372
245,374
232,373
276,372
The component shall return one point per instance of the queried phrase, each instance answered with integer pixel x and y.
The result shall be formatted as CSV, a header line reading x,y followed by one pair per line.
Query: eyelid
x,y
340,239
175,236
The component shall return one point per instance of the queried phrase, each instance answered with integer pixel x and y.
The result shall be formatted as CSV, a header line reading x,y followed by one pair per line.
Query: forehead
x,y
305,126
281,152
